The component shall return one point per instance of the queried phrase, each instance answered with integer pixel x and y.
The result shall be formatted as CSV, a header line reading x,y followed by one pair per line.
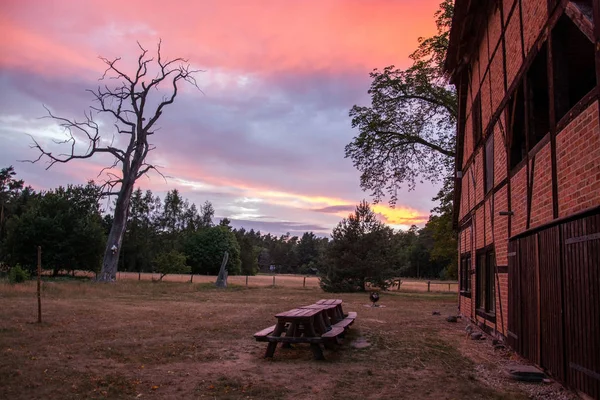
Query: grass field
x,y
283,280
176,340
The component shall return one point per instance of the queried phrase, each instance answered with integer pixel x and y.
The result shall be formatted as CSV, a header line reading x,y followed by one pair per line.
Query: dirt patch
x,y
180,340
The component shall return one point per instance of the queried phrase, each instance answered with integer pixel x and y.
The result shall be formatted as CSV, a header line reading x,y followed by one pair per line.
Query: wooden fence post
x,y
429,286
39,283
448,287
304,283
273,280
246,280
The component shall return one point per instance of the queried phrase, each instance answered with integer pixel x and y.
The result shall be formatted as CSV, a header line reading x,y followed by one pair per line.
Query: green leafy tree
x,y
67,223
10,188
361,252
205,249
208,212
407,134
445,246
249,252
172,262
141,237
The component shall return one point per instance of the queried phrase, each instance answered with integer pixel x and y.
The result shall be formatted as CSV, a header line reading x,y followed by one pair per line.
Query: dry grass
x,y
174,340
281,280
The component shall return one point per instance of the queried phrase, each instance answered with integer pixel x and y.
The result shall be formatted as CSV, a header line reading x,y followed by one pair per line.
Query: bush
x,y
17,274
172,262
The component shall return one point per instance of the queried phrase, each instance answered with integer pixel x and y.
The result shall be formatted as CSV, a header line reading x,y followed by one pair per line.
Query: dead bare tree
x,y
135,117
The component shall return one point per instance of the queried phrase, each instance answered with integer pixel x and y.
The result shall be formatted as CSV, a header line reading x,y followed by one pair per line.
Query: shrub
x,y
17,274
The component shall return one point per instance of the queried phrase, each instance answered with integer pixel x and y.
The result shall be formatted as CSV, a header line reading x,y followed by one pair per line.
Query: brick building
x,y
527,192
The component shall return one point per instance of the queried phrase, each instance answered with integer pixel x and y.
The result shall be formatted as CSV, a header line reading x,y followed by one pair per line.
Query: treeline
x,y
172,235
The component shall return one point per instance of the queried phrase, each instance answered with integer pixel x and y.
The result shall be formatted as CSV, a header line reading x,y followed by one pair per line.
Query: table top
x,y
299,313
320,306
329,301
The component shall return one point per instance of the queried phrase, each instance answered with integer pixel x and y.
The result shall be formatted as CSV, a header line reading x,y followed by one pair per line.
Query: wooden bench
x,y
313,324
261,335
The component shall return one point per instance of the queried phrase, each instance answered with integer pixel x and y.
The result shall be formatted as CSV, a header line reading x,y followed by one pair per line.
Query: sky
x,y
263,140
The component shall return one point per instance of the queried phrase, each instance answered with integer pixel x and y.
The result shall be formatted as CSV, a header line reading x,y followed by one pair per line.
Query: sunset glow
x,y
263,141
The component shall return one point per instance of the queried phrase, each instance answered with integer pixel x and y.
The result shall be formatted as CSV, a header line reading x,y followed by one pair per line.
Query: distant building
x,y
528,178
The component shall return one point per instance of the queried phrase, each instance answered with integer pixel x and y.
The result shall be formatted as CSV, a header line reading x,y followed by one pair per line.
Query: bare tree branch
x,y
126,104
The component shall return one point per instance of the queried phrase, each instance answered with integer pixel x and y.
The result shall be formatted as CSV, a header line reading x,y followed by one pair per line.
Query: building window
x,y
465,275
489,164
476,118
574,65
484,273
529,119
516,122
538,97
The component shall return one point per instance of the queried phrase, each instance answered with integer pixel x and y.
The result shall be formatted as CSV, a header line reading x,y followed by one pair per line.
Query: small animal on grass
x,y
374,297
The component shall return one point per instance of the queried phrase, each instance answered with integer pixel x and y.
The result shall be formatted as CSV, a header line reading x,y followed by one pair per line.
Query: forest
x,y
172,235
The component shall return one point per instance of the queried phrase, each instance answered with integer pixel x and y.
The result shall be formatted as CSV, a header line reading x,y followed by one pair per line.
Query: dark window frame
x,y
528,115
476,120
465,274
485,283
574,67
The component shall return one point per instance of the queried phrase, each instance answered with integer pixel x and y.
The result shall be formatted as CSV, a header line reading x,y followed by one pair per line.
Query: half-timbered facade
x,y
527,192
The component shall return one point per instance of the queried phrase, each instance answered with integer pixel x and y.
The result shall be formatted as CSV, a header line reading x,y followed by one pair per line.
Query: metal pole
x,y
246,280
273,280
304,283
39,284
429,286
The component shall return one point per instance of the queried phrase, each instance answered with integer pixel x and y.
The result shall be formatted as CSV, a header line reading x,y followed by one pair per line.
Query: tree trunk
x,y
117,231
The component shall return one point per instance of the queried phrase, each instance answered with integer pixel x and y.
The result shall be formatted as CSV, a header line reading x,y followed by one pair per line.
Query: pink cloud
x,y
245,36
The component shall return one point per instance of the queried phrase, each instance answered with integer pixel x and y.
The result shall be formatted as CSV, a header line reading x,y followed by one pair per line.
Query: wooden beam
x,y
580,20
521,28
503,40
596,11
530,179
552,112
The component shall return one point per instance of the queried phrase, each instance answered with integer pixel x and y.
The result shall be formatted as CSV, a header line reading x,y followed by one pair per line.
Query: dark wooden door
x,y
581,262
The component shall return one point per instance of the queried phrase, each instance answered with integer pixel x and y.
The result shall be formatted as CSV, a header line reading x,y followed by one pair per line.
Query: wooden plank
x,y
265,332
298,313
583,238
352,315
334,332
580,20
345,323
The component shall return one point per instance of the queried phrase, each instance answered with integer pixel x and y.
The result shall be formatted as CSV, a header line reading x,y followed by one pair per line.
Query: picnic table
x,y
323,322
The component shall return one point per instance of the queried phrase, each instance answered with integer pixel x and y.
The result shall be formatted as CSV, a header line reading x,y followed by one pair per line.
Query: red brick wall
x,y
501,226
488,209
494,29
507,5
514,56
479,187
541,209
478,229
502,303
497,79
535,14
578,154
578,163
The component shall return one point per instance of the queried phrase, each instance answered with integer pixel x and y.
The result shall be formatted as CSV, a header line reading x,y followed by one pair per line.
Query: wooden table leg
x,y
291,332
273,345
317,352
